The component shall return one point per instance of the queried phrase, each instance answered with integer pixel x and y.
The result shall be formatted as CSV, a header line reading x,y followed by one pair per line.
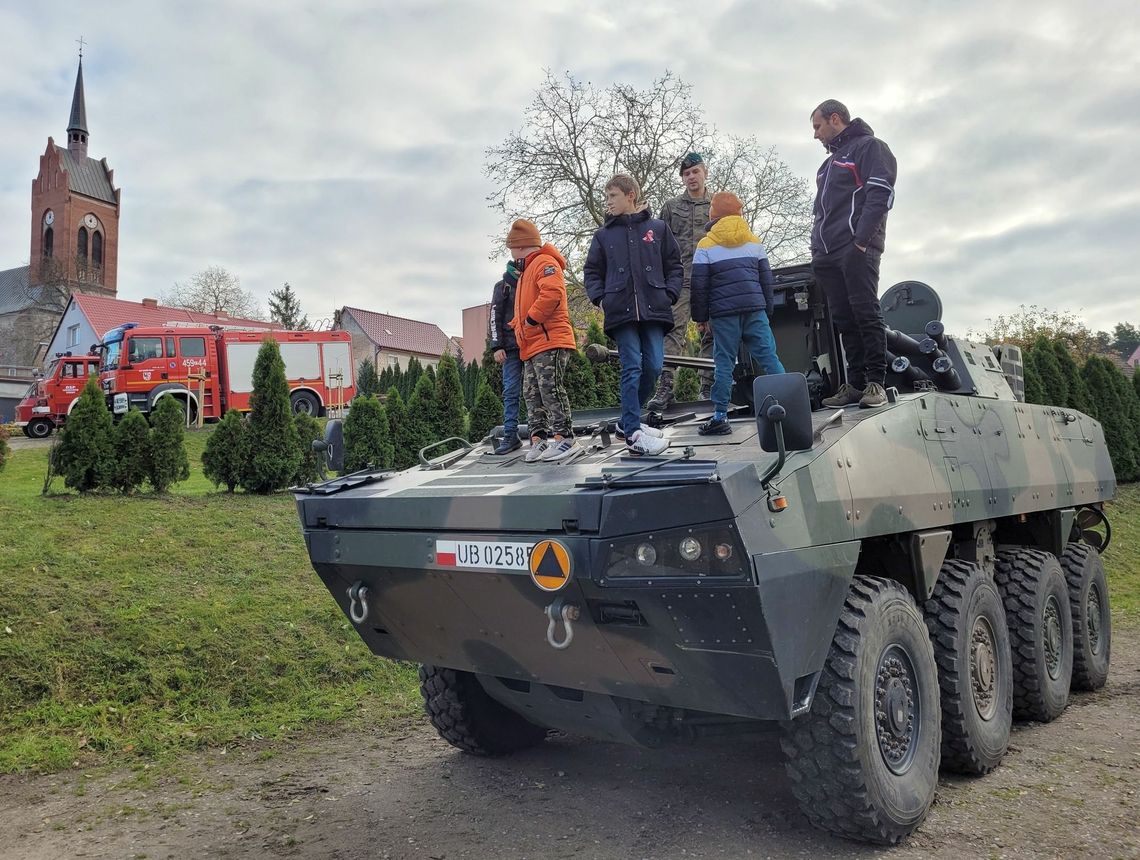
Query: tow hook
x,y
567,613
358,596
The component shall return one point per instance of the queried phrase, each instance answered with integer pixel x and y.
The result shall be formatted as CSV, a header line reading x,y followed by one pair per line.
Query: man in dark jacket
x,y
634,273
854,192
506,351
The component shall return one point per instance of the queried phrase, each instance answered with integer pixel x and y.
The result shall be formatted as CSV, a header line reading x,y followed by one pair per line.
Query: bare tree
x,y
575,136
214,291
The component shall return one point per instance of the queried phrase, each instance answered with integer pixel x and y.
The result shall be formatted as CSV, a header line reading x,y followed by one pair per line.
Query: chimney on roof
x,y
150,303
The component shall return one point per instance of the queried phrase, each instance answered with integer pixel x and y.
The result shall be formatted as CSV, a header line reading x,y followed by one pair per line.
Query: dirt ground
x,y
1067,789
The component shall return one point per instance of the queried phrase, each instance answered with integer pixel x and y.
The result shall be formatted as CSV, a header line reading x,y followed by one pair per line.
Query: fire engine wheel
x,y
967,625
1092,616
1040,621
304,403
864,762
38,428
469,719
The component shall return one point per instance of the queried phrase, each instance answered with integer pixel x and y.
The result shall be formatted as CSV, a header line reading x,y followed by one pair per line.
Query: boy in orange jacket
x,y
546,342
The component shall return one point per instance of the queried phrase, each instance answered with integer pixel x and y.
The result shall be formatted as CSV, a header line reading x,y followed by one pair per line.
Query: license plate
x,y
488,555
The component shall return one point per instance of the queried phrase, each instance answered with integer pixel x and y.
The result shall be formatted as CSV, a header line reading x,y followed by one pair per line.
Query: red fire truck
x,y
48,401
210,369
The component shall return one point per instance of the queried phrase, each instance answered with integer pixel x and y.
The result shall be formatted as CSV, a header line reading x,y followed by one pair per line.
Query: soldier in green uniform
x,y
687,214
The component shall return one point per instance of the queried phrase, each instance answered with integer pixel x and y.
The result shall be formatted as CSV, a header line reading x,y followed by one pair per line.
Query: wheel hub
x,y
983,668
1052,638
896,709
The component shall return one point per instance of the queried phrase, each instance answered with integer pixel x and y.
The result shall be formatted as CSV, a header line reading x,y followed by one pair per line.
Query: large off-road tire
x,y
470,720
967,626
1092,616
864,761
1036,599
38,428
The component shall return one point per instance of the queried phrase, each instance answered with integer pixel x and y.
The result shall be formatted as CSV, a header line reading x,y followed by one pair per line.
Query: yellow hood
x,y
731,231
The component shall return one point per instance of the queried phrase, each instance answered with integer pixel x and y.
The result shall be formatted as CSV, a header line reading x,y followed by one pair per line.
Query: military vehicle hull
x,y
849,584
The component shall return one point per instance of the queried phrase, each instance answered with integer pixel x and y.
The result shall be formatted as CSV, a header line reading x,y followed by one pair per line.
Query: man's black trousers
x,y
850,281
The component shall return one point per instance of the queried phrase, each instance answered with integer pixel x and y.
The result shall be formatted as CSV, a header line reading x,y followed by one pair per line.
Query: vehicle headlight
x,y
698,552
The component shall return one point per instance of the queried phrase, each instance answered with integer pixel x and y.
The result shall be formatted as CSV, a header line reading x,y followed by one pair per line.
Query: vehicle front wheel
x,y
38,428
469,719
864,761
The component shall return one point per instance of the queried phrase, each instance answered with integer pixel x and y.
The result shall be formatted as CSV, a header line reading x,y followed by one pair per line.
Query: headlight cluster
x,y
701,551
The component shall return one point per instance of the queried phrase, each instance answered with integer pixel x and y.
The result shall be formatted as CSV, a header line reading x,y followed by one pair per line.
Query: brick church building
x,y
74,243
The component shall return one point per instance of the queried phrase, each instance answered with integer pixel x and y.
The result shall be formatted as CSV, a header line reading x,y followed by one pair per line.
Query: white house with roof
x,y
391,341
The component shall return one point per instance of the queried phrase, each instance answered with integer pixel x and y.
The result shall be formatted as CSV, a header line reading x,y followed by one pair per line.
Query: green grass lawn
x,y
146,625
134,628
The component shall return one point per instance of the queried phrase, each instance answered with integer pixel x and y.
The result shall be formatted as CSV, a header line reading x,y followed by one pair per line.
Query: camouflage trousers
x,y
544,388
676,343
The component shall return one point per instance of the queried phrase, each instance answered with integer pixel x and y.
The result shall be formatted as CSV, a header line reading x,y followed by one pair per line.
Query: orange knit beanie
x,y
725,203
523,234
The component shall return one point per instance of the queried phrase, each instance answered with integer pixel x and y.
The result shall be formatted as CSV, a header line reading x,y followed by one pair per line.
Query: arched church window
x,y
97,248
81,247
49,242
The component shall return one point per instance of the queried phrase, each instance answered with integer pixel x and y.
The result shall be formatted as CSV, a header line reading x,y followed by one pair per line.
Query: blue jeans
x,y
728,333
641,351
512,390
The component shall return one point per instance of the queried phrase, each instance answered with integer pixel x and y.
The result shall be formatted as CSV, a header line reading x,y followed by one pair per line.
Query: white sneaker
x,y
643,443
645,428
536,450
560,449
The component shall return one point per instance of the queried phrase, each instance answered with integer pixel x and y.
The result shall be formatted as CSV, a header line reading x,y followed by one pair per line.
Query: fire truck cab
x,y
50,399
210,369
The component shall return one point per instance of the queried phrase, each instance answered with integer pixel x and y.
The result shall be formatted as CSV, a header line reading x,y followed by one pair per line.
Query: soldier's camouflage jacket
x,y
686,218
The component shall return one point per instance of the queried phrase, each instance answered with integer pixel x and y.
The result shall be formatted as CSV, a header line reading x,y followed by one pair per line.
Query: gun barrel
x,y
598,354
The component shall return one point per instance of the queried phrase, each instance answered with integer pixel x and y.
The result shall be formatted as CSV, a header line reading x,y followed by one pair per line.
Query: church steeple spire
x,y
77,125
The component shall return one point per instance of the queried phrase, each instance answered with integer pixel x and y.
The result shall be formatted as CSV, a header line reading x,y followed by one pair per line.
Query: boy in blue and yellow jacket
x,y
732,292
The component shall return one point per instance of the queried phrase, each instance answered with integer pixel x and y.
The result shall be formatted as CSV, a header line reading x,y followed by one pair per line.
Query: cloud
x,y
339,145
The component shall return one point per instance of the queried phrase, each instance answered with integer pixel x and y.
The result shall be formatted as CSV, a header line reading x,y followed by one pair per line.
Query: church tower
x,y
75,212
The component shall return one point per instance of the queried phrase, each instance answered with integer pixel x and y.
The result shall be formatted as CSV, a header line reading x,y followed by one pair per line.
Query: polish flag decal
x,y
445,553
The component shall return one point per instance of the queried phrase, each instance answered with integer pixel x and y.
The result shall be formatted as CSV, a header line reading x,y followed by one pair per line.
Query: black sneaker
x,y
715,427
507,444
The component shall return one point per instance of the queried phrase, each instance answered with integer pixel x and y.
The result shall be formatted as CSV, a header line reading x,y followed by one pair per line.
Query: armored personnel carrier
x,y
891,586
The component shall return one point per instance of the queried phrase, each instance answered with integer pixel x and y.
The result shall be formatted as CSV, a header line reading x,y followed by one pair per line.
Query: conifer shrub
x,y
1119,434
1034,390
421,415
399,430
367,442
86,458
449,409
131,441
1078,394
487,414
581,385
309,430
168,461
686,385
223,459
367,382
274,454
607,374
1053,381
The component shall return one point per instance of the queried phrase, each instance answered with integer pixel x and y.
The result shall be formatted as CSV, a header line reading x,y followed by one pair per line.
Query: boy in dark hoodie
x,y
506,352
634,273
732,292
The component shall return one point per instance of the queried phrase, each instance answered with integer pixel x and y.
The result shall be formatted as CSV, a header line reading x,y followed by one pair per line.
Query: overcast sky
x,y
339,145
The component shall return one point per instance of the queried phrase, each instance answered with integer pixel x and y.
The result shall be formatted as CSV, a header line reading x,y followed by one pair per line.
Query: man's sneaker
x,y
652,431
873,395
658,403
705,393
560,449
642,443
715,427
845,396
508,443
536,450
